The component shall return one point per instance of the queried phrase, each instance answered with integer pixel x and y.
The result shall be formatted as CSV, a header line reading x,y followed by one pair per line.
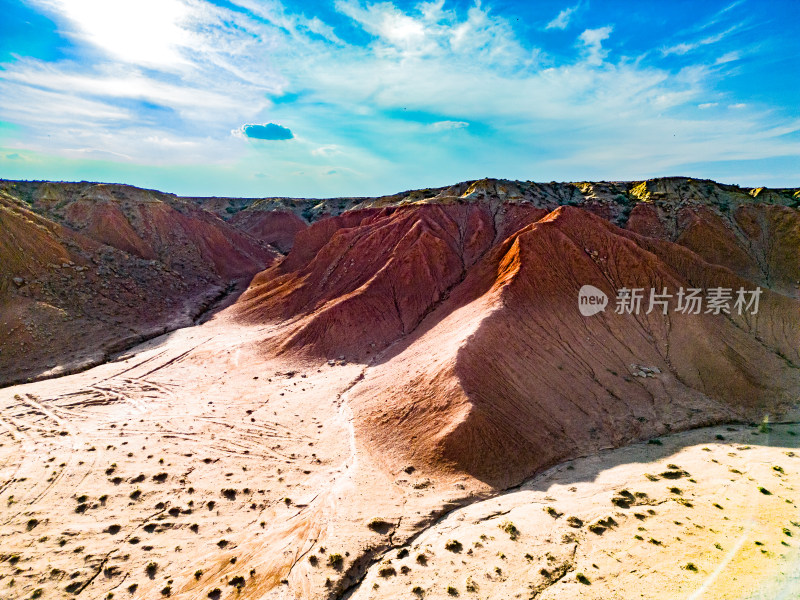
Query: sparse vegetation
x,y
380,526
453,546
335,560
510,529
386,570
553,512
574,522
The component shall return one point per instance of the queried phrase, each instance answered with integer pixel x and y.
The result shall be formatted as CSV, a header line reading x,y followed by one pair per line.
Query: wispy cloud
x,y
684,47
448,125
561,21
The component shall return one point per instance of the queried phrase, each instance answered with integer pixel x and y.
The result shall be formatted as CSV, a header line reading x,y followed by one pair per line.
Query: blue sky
x,y
351,97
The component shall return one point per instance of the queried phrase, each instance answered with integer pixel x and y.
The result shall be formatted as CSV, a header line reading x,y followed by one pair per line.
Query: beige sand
x,y
690,521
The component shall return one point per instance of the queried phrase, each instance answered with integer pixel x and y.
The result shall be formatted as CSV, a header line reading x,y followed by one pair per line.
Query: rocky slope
x,y
464,304
88,269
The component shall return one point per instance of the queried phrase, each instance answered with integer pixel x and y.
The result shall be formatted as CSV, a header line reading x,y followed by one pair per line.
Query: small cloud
x,y
706,105
679,49
737,106
326,150
267,131
448,125
727,57
13,156
593,40
562,20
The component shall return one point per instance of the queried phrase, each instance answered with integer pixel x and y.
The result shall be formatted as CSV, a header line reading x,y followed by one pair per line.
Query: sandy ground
x,y
711,513
192,467
156,459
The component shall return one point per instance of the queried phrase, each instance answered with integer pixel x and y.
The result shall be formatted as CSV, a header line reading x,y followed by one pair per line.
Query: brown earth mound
x,y
507,377
90,269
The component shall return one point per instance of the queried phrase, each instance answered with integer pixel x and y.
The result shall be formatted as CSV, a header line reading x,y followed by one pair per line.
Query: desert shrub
x,y
510,529
387,571
335,560
378,525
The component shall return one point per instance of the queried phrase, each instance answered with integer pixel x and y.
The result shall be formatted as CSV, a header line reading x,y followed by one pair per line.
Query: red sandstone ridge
x,y
465,311
507,377
89,269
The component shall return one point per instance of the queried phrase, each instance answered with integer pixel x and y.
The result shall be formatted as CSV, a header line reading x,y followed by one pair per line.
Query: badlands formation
x,y
397,397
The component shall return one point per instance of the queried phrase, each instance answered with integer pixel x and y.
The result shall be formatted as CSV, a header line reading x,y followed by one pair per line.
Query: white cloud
x,y
728,57
707,105
563,18
326,150
593,41
686,47
448,125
